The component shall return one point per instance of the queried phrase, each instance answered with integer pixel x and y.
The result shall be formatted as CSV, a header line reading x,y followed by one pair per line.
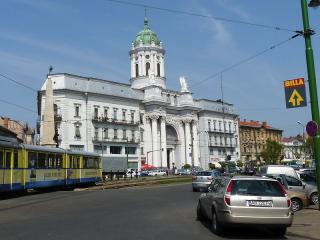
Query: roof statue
x,y
152,76
183,83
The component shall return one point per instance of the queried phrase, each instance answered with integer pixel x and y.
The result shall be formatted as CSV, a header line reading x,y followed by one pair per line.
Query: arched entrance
x,y
172,141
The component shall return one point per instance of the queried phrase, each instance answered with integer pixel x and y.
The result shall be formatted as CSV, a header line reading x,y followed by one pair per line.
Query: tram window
x,y
1,159
85,162
32,159
59,160
42,160
15,159
52,161
8,159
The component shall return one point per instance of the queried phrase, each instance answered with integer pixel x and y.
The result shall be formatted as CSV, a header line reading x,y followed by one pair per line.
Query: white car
x,y
129,170
157,172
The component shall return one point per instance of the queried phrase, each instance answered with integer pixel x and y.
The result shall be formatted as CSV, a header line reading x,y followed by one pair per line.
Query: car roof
x,y
252,178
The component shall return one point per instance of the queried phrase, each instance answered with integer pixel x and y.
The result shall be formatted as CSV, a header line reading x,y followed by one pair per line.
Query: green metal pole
x,y
312,87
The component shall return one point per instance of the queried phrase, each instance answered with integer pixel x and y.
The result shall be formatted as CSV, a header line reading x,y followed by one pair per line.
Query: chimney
x,y
264,124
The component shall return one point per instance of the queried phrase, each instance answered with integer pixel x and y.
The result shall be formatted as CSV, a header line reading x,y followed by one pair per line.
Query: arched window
x,y
158,69
137,70
147,68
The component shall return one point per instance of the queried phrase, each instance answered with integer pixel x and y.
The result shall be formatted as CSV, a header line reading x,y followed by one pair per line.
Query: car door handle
x,y
290,187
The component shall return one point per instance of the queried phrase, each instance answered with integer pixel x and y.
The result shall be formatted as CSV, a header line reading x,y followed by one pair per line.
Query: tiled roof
x,y
256,124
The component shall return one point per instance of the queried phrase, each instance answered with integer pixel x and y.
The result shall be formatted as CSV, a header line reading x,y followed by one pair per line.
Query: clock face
x,y
158,57
136,57
147,56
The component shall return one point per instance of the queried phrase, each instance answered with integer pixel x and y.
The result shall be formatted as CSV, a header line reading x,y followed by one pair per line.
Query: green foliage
x,y
212,166
272,153
187,166
240,164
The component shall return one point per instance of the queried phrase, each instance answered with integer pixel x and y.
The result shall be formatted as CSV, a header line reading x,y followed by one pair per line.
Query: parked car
x,y
182,171
295,184
133,172
246,200
278,169
201,180
157,172
299,200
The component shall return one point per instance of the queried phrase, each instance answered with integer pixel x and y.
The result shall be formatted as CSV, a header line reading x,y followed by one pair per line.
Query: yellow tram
x,y
31,167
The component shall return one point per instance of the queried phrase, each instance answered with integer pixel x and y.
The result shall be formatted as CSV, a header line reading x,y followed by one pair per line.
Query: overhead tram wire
x,y
245,60
18,106
194,14
17,82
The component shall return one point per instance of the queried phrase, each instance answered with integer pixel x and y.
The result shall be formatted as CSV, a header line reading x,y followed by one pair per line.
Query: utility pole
x,y
307,33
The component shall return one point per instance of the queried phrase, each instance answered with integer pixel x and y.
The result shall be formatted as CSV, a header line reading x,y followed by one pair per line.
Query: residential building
x,y
253,138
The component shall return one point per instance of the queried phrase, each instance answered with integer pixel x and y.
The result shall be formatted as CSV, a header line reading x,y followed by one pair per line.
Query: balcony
x,y
57,117
115,140
212,130
96,119
218,144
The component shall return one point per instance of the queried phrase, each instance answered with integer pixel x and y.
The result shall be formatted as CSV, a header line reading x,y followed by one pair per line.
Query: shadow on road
x,y
244,232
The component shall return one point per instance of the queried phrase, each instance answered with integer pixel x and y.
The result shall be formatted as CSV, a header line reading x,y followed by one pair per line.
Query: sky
x,y
93,38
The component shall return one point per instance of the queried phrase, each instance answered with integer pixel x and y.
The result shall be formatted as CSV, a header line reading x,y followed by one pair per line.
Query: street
x,y
144,213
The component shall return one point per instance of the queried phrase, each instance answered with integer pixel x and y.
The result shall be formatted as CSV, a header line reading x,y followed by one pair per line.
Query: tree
x,y
187,166
272,154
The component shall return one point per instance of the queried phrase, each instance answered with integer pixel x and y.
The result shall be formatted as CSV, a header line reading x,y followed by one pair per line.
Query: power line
x,y
245,60
17,82
18,106
194,14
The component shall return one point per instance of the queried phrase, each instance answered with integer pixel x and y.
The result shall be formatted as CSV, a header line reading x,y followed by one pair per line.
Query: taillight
x,y
194,177
289,202
227,195
209,178
285,193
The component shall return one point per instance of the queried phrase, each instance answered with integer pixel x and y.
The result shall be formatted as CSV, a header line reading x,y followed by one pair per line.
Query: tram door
x,y
73,169
7,173
1,169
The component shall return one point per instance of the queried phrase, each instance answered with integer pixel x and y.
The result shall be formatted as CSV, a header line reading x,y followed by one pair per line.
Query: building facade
x,y
24,132
253,138
142,122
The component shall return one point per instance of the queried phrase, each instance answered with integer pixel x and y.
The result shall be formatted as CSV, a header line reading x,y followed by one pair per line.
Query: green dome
x,y
146,36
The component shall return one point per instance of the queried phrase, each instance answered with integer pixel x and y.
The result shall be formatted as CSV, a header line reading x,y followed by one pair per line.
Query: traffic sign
x,y
295,91
312,128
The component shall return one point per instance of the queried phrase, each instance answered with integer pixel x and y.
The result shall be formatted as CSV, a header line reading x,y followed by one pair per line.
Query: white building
x,y
293,149
142,122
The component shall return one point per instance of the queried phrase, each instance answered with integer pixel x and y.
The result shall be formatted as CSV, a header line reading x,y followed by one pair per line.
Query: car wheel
x,y
217,227
296,204
314,198
280,231
199,213
194,190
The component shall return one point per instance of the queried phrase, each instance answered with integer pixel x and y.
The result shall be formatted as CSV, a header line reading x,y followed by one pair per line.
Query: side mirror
x,y
304,186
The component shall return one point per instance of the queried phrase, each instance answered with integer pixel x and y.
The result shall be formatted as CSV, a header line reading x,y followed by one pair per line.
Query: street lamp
x,y
307,33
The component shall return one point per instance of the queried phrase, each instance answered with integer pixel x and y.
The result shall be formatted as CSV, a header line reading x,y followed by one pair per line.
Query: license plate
x,y
259,203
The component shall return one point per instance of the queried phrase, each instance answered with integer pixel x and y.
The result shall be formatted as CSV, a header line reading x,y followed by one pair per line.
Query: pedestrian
x,y
118,175
111,175
136,173
124,174
167,172
131,171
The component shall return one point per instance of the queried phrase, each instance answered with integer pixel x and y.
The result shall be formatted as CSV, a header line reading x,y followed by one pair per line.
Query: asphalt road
x,y
165,212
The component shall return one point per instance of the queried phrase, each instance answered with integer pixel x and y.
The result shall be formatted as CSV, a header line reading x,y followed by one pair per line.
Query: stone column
x,y
195,144
163,145
154,127
162,67
188,140
144,72
140,65
148,140
182,160
152,63
133,67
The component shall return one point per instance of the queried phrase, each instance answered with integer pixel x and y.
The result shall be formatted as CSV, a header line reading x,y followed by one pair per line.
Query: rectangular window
x,y
141,136
124,131
214,125
133,135
132,116
220,126
115,134
77,134
115,149
230,127
96,112
42,158
105,133
211,151
15,159
96,133
142,152
106,112
141,118
7,159
130,150
77,110
76,147
224,127
115,114
209,125
123,115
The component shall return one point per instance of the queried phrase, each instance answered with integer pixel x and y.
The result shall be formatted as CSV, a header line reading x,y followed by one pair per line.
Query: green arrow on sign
x,y
295,98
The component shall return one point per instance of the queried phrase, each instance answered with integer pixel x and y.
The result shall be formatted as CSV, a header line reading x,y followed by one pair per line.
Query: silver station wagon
x,y
240,200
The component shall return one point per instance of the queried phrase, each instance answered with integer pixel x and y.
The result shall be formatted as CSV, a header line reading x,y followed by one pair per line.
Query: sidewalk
x,y
306,224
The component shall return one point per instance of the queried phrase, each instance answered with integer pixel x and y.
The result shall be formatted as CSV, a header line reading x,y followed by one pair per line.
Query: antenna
x,y
50,69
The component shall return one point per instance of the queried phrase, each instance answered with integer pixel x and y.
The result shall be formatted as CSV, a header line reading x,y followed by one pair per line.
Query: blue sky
x,y
92,38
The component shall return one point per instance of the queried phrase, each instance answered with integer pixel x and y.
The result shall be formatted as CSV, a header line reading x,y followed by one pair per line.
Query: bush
x,y
187,166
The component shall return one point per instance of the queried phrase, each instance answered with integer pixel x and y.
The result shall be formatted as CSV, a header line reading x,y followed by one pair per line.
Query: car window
x,y
293,181
215,185
203,174
256,188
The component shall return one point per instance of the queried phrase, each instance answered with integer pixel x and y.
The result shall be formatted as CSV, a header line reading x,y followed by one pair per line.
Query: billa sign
x,y
295,92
